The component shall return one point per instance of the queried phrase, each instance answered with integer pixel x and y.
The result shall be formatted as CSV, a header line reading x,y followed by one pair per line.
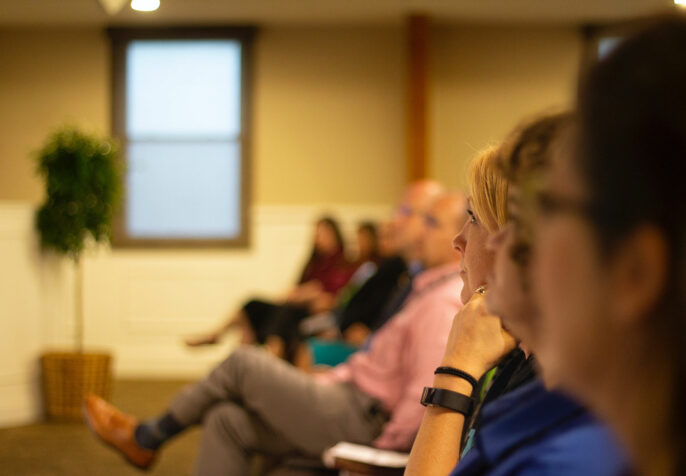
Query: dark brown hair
x,y
369,228
529,146
524,154
632,157
335,228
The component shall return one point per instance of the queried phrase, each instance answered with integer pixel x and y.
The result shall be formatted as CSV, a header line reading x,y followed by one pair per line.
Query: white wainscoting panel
x,y
21,315
140,304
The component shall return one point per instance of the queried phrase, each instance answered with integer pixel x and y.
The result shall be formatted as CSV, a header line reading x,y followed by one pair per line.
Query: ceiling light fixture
x,y
112,7
145,5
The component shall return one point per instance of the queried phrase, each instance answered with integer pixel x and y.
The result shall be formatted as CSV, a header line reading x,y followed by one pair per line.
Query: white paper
x,y
364,454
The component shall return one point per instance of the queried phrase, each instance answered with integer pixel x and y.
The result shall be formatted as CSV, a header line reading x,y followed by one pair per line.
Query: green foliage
x,y
83,184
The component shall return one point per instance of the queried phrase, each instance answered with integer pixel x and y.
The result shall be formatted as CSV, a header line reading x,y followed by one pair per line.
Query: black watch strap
x,y
448,399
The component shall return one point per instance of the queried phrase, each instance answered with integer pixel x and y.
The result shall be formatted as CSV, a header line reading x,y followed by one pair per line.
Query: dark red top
x,y
332,271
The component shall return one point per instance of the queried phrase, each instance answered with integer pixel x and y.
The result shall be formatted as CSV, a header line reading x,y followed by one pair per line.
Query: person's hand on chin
x,y
477,339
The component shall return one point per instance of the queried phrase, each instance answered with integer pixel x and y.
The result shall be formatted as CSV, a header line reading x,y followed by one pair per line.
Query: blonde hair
x,y
488,189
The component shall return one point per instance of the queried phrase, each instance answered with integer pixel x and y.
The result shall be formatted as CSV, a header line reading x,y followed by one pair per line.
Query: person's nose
x,y
460,242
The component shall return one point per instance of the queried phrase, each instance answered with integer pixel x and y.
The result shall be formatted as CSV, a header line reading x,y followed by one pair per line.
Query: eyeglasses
x,y
430,221
405,211
549,205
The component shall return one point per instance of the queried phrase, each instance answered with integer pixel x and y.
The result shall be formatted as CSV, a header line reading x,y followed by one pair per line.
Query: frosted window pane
x,y
183,89
183,190
606,45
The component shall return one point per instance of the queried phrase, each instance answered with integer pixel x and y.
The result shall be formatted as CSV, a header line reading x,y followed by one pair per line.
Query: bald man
x,y
254,402
385,292
408,220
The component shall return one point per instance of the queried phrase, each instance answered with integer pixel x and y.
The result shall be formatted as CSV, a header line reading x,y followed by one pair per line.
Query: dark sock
x,y
153,433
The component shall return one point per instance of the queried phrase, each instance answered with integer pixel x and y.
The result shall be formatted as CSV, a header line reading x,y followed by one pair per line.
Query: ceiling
x,y
89,12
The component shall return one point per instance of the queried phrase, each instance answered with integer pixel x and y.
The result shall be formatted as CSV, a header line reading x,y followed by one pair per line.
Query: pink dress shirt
x,y
404,353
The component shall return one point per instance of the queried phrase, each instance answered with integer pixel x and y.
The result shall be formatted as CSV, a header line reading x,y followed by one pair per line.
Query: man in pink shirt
x,y
254,402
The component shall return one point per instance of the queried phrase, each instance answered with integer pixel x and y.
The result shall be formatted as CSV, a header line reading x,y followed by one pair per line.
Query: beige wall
x,y
329,118
329,102
485,79
327,115
329,134
47,78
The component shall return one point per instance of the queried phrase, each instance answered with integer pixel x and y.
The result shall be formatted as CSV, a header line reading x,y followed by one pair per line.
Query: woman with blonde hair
x,y
437,447
526,429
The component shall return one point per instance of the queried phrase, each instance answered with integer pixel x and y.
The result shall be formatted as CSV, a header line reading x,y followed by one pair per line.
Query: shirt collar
x,y
425,278
414,268
524,413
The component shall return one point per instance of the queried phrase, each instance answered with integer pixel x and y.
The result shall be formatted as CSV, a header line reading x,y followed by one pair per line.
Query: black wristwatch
x,y
448,399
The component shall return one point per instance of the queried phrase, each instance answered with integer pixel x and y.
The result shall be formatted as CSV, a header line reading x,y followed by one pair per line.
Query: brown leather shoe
x,y
117,430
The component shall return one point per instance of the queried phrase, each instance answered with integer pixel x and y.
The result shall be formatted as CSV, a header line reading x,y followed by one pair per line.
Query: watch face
x,y
427,396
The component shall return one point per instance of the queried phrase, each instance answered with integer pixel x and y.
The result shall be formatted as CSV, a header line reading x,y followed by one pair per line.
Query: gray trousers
x,y
254,402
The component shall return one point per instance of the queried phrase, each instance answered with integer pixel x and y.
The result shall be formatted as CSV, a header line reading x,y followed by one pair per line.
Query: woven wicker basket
x,y
68,377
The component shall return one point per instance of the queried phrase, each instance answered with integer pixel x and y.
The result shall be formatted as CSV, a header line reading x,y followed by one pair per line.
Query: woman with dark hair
x,y
608,267
325,273
367,243
366,263
326,269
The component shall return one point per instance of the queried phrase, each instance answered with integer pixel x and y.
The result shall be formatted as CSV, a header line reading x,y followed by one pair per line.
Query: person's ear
x,y
495,239
638,274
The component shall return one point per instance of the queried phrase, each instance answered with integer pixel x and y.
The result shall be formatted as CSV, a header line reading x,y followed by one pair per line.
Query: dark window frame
x,y
120,39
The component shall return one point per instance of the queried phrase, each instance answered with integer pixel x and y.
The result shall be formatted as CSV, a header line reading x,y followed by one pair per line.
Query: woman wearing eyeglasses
x,y
611,246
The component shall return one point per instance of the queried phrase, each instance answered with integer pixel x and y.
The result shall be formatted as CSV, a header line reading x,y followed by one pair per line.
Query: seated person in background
x,y
528,430
364,299
327,271
376,301
323,276
255,402
387,246
368,249
367,262
371,309
367,312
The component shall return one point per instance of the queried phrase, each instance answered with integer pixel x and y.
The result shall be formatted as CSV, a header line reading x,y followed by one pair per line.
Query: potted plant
x,y
83,183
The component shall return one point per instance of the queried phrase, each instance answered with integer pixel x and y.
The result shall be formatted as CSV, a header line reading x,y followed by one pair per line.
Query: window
x,y
601,40
180,110
606,44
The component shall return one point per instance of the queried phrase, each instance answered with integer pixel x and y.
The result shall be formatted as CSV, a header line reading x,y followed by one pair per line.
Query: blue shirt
x,y
532,431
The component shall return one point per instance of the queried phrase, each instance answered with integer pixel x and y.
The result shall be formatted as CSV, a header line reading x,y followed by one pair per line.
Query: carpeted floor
x,y
70,449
